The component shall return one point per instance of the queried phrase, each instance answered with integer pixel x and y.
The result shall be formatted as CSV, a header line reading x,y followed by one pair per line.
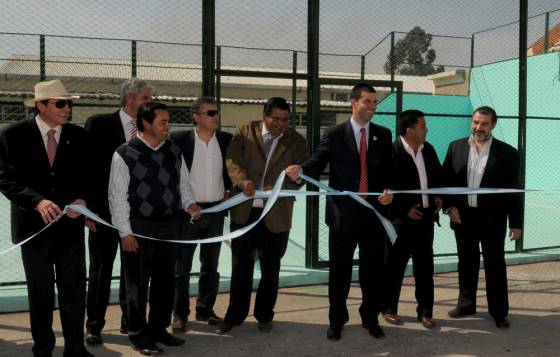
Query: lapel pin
x,y
68,142
374,138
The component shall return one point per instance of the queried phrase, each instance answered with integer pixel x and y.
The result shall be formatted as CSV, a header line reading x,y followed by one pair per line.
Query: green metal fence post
x,y
208,44
42,59
472,51
363,68
546,30
522,124
392,55
134,69
219,80
313,115
294,90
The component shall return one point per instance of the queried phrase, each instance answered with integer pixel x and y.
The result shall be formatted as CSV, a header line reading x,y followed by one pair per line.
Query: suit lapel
x,y
350,138
258,134
281,147
489,163
119,130
462,158
189,144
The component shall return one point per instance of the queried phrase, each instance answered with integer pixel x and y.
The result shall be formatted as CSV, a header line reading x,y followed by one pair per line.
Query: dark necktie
x,y
363,163
51,145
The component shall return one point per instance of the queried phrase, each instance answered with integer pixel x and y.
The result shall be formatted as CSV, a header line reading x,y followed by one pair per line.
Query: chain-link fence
x,y
450,57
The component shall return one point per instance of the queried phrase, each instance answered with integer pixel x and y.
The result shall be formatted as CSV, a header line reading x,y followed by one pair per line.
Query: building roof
x,y
537,48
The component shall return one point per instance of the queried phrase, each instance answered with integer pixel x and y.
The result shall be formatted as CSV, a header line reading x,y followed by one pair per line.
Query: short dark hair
x,y
486,110
275,103
408,119
148,114
356,92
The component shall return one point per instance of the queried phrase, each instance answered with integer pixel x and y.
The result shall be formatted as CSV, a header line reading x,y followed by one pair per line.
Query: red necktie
x,y
363,163
51,145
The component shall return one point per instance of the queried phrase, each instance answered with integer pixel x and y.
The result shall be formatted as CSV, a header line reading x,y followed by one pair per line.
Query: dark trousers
x,y
103,247
43,259
415,239
489,231
150,271
369,236
269,248
210,225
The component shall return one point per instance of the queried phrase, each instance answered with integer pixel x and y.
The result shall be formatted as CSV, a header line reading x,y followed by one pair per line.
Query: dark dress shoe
x,y
179,324
334,333
503,324
427,322
224,327
374,329
169,340
149,349
209,317
265,326
93,340
457,313
393,319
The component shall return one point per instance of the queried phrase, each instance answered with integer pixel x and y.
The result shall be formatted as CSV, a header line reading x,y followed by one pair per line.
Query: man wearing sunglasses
x,y
259,151
107,133
44,166
204,150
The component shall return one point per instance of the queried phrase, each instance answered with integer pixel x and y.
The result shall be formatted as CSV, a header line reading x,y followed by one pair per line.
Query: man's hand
x,y
91,225
515,233
414,213
293,172
48,210
386,198
73,214
194,211
439,204
454,215
129,244
248,187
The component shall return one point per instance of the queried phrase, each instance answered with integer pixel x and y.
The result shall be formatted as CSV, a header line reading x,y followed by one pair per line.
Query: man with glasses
x,y
44,166
204,151
107,133
258,152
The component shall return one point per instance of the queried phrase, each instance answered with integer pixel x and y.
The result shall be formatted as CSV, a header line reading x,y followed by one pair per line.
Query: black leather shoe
x,y
265,326
457,313
124,325
93,340
169,340
149,349
224,328
334,333
374,329
503,324
209,317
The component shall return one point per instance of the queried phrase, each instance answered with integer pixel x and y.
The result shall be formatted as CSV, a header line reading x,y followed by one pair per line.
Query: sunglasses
x,y
210,113
61,103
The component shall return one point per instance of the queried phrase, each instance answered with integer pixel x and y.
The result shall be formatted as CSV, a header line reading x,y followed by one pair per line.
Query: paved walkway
x,y
301,322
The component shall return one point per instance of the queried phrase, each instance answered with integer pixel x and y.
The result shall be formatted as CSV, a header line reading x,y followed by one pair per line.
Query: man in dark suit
x,y
257,154
359,155
107,133
416,166
44,167
483,161
204,151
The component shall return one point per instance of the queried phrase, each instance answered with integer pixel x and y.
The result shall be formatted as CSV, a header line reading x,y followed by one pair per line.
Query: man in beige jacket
x,y
257,154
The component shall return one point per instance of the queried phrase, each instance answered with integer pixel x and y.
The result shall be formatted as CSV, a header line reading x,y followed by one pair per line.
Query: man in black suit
x,y
416,166
107,133
359,154
44,167
204,151
483,161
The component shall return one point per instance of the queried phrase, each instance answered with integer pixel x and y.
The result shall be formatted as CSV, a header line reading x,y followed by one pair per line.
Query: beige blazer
x,y
245,159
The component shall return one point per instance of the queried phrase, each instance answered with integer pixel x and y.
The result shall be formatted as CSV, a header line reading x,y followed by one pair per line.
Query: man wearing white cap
x,y
43,167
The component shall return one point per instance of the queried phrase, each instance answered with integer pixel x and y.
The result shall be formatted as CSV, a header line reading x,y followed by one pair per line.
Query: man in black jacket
x,y
44,166
359,155
204,151
416,166
107,133
483,161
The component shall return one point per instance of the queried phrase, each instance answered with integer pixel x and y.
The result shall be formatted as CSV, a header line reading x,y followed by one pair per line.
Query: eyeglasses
x,y
61,103
210,113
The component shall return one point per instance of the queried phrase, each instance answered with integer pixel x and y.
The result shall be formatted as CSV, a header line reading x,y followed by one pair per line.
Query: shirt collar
x,y
124,115
44,127
357,126
148,145
486,144
408,148
196,134
264,131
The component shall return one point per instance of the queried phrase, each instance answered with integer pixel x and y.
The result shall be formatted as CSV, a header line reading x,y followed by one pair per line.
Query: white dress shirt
x,y
207,181
44,129
127,123
356,127
264,131
418,159
119,181
475,167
